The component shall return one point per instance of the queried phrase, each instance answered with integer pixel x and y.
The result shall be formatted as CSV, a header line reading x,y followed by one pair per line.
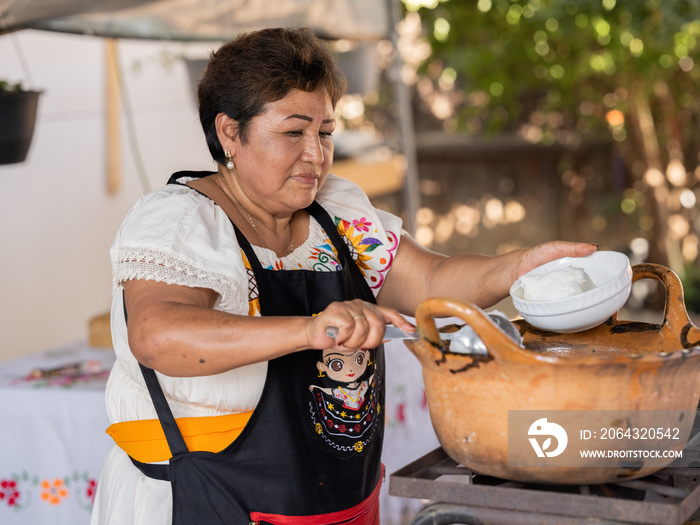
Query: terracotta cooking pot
x,y
617,366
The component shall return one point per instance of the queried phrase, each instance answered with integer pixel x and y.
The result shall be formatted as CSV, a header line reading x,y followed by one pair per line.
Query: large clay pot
x,y
617,366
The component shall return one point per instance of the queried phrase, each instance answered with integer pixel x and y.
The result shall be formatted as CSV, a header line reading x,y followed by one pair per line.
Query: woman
x,y
225,280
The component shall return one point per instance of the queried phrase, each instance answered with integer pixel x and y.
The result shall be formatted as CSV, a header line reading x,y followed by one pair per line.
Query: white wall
x,y
57,221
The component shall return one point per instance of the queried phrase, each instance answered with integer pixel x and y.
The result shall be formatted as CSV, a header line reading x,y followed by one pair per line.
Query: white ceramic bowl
x,y
610,272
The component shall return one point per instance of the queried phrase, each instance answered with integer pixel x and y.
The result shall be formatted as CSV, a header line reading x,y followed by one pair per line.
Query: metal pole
x,y
411,187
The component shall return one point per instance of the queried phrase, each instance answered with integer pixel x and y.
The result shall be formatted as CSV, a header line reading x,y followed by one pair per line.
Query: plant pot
x,y
18,116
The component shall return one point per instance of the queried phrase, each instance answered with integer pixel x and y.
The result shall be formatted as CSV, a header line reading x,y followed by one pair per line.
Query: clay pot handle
x,y
496,341
676,321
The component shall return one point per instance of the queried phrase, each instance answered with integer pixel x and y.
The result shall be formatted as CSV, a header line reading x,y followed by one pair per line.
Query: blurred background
x,y
571,120
487,125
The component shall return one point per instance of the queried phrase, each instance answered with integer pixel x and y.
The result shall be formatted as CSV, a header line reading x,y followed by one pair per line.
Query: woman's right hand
x,y
360,325
177,331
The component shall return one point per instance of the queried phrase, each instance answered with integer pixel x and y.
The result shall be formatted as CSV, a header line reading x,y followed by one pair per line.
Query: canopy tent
x,y
219,20
198,19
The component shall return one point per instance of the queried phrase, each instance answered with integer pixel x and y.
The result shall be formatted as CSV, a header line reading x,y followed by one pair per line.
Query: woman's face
x,y
288,152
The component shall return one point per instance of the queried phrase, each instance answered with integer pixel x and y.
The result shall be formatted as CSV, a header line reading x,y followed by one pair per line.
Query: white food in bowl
x,y
556,284
611,274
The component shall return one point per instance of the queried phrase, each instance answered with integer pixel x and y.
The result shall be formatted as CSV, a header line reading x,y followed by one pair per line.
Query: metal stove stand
x,y
669,497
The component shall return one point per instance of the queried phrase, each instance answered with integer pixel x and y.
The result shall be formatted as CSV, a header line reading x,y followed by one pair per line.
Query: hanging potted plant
x,y
18,109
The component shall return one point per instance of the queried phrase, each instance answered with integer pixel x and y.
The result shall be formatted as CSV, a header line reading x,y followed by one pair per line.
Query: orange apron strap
x,y
145,441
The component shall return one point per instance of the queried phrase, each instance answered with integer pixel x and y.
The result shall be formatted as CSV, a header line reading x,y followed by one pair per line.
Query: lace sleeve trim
x,y
160,266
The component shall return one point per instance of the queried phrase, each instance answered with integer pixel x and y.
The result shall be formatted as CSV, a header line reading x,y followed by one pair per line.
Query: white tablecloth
x,y
52,437
409,433
53,441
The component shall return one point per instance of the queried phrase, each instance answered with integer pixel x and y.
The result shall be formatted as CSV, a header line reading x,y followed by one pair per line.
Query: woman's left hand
x,y
531,258
417,273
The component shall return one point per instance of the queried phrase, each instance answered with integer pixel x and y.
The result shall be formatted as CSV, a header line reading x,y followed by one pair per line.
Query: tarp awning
x,y
203,20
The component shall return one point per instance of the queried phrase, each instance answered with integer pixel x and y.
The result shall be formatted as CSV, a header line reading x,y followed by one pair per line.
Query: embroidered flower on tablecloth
x,y
53,492
401,413
20,491
69,380
9,492
91,490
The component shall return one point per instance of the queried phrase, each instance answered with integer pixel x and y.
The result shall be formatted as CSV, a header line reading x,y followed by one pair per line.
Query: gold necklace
x,y
249,217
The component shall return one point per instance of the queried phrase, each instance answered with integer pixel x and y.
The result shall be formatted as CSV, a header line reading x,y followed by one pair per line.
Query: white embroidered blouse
x,y
178,236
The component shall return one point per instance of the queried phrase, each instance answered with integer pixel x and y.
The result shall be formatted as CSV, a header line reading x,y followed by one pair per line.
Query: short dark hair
x,y
260,67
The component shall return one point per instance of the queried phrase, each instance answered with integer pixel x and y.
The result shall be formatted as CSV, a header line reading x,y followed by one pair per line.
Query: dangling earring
x,y
229,162
321,373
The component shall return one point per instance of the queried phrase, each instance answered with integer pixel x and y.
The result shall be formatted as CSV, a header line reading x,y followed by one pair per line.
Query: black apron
x,y
313,443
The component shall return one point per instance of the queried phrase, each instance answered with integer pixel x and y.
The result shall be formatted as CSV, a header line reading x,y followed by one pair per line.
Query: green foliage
x,y
577,73
10,87
691,286
563,56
